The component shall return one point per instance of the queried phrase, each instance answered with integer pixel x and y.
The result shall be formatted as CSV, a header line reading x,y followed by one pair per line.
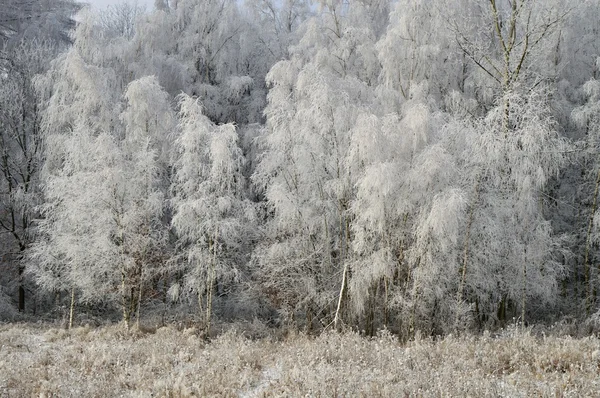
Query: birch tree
x,y
211,216
509,212
314,100
514,34
117,197
103,232
406,218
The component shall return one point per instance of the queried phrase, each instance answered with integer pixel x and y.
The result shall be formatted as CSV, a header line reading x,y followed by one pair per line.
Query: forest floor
x,y
109,361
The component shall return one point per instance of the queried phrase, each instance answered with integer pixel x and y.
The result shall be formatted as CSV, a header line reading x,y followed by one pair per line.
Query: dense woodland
x,y
423,166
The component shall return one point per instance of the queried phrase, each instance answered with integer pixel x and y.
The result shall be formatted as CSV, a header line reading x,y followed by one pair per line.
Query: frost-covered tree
x,y
510,237
212,219
20,146
31,34
276,23
404,174
314,100
514,38
103,233
72,253
511,54
406,217
139,216
437,171
120,19
106,177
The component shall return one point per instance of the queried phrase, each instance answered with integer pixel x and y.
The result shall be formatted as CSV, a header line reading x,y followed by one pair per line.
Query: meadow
x,y
111,361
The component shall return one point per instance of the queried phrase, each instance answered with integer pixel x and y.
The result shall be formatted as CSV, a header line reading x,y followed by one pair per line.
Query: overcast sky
x,y
105,3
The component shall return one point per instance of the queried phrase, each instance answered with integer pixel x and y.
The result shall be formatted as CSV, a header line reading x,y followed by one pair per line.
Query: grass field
x,y
39,361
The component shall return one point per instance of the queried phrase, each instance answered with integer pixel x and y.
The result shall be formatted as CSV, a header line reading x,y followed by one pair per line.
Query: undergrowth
x,y
167,362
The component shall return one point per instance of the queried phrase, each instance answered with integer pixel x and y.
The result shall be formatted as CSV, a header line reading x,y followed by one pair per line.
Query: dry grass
x,y
110,362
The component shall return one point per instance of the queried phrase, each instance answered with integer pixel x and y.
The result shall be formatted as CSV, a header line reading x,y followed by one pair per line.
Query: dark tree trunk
x,y
21,291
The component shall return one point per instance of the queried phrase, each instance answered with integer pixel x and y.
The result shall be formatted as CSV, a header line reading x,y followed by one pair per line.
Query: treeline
x,y
415,165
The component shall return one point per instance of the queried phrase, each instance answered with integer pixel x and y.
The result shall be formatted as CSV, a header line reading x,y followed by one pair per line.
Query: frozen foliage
x,y
206,49
21,147
32,32
103,235
167,362
211,218
314,100
120,19
376,170
422,166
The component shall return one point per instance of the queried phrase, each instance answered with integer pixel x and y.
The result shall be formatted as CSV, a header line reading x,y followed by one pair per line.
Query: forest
x,y
424,167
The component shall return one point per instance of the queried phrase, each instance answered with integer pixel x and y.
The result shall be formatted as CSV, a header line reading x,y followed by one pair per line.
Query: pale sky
x,y
104,3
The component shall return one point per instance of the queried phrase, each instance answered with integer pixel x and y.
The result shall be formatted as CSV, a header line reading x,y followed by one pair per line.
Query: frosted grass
x,y
111,361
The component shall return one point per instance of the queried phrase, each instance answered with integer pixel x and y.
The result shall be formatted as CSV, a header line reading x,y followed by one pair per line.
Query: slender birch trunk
x,y
344,243
124,298
210,281
336,319
466,245
72,308
139,298
524,293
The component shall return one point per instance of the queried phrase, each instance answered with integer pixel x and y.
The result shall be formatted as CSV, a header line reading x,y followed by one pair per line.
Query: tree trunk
x,y
463,272
21,278
385,303
338,310
72,308
588,242
524,291
124,304
139,298
502,311
210,278
21,290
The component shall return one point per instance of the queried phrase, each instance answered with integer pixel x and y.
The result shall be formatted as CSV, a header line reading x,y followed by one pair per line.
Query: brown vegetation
x,y
111,361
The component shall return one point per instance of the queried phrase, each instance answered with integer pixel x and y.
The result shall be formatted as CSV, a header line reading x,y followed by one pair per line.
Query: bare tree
x,y
501,37
120,19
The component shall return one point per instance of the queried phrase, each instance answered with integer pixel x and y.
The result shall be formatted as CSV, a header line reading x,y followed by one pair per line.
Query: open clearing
x,y
38,361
